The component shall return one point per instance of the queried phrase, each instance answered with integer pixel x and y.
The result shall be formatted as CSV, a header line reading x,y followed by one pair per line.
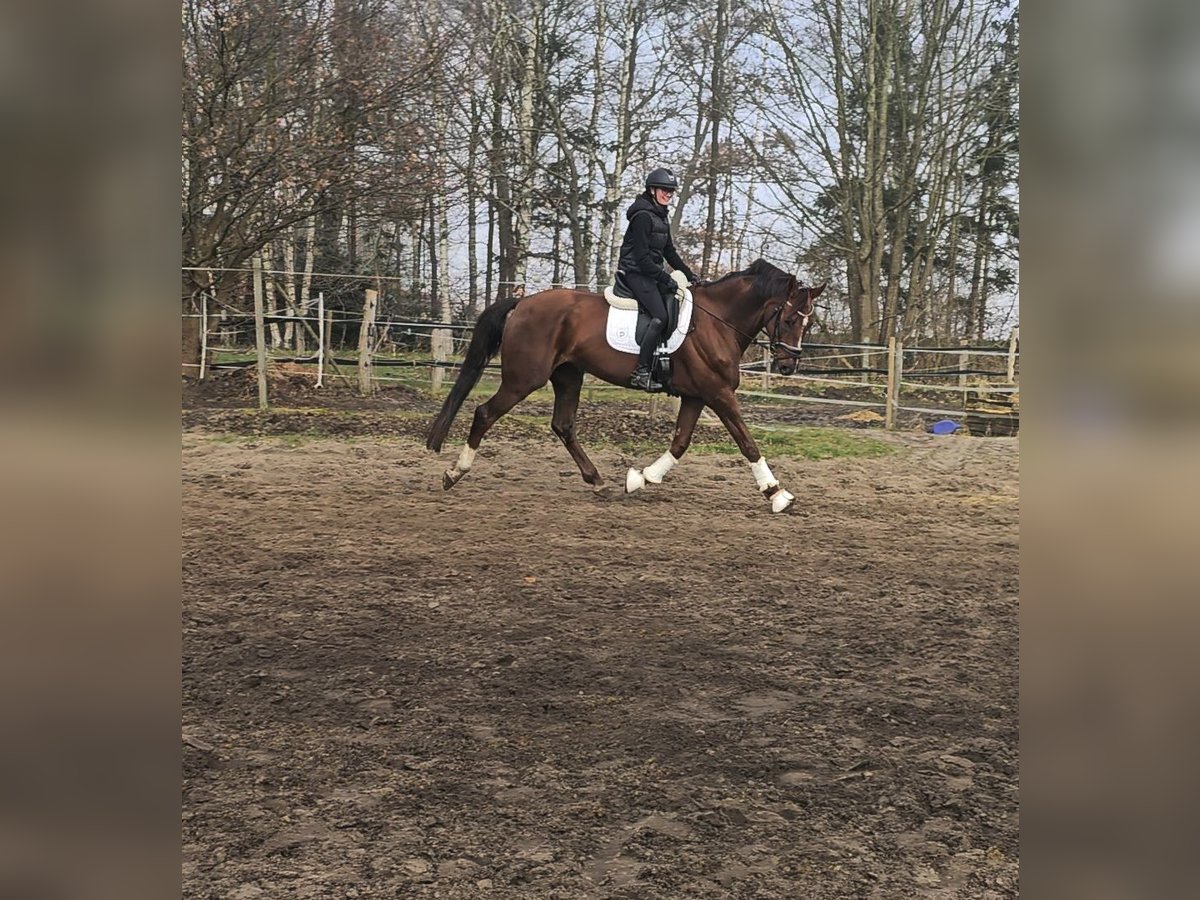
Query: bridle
x,y
773,334
774,340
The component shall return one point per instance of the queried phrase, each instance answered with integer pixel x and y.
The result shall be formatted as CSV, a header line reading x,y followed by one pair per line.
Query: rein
x,y
773,340
733,328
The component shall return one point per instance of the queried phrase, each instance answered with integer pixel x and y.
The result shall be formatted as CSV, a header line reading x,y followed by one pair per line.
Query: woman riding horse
x,y
647,243
558,335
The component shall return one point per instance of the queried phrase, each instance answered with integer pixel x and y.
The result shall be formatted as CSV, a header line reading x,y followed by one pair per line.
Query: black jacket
x,y
648,242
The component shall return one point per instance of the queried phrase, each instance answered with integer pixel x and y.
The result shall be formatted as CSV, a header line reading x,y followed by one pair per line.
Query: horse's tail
x,y
485,341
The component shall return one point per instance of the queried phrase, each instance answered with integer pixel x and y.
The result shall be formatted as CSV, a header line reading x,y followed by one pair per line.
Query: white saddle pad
x,y
622,325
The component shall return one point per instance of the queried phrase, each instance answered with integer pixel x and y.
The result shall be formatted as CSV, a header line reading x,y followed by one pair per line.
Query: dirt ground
x,y
524,688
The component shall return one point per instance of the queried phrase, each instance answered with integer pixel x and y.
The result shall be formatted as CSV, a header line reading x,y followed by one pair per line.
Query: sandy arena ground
x,y
524,688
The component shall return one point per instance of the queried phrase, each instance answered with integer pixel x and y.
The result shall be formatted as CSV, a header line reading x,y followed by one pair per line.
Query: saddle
x,y
620,297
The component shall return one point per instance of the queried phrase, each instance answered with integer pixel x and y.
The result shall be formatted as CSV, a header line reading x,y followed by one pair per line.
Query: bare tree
x,y
290,112
874,139
879,107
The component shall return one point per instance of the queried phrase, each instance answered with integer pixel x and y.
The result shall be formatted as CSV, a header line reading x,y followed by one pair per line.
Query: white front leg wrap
x,y
657,470
768,485
762,475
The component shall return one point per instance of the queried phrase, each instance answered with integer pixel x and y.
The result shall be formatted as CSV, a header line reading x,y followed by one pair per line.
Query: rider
x,y
647,243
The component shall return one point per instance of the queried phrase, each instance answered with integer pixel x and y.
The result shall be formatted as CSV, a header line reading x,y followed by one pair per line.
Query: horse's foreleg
x,y
685,426
727,408
567,381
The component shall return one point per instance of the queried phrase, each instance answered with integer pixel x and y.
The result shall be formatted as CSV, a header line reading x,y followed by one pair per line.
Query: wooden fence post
x,y
365,333
260,338
1013,339
899,379
963,359
865,363
766,381
889,400
204,332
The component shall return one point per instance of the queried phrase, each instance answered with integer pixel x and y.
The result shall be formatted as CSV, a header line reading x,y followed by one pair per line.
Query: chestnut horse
x,y
558,335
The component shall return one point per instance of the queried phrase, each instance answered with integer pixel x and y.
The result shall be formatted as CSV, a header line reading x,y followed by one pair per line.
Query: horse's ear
x,y
813,293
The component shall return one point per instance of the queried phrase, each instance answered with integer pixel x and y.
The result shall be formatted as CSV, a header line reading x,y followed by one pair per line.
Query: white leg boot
x,y
634,481
768,485
461,467
657,470
653,473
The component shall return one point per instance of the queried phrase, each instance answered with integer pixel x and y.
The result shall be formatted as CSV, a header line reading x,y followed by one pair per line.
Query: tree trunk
x,y
490,266
527,141
606,252
977,300
190,349
687,178
472,213
854,290
272,308
288,287
716,106
310,241
445,301
441,346
584,266
502,194
417,265
737,262
878,71
366,334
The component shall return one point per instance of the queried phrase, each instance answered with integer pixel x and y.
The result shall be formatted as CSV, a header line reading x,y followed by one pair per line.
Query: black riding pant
x,y
648,293
650,298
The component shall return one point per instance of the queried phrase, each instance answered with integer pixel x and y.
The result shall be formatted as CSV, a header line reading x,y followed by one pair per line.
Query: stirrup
x,y
643,379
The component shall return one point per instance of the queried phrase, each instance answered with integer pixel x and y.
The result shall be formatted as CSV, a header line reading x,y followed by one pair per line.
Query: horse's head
x,y
787,325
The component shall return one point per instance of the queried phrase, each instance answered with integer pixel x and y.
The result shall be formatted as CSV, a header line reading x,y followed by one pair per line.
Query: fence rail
x,y
915,370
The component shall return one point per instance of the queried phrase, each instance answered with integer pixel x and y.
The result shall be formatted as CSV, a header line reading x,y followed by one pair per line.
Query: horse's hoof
x,y
449,479
634,481
781,500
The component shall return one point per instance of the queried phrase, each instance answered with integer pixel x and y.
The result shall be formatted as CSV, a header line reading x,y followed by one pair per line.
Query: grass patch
x,y
804,443
628,431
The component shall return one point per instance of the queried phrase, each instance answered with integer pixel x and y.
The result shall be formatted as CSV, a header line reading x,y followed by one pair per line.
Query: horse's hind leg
x,y
486,414
567,381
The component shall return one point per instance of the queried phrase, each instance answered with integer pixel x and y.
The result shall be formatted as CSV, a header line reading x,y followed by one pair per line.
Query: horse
x,y
559,334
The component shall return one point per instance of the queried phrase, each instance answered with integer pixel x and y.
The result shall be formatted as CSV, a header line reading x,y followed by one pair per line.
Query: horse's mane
x,y
769,280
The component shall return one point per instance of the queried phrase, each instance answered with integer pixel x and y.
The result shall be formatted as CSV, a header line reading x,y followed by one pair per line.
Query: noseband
x,y
774,340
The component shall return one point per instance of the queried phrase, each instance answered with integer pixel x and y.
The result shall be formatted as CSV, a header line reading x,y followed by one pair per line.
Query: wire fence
x,y
893,378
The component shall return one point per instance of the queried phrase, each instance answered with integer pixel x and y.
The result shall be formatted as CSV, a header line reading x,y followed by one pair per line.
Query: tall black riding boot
x,y
642,377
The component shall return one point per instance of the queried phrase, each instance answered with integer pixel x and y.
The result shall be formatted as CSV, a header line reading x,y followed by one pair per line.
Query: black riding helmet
x,y
662,178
